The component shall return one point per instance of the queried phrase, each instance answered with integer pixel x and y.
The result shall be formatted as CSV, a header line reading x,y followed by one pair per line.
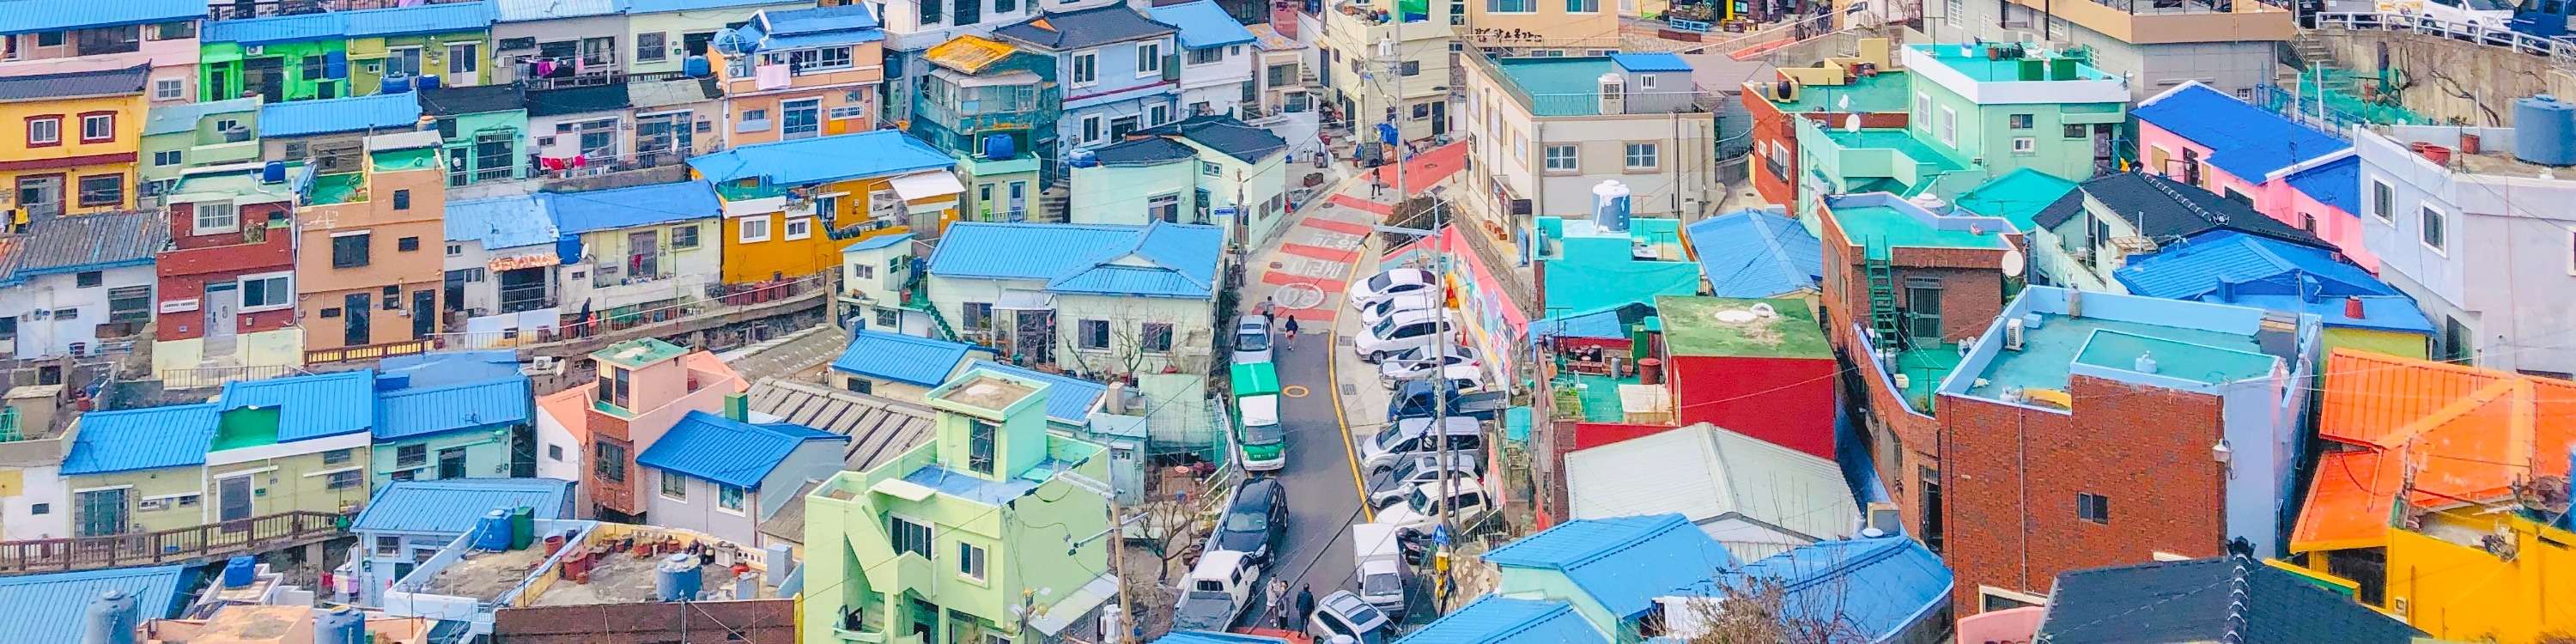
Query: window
x,y
342,480
2433,229
970,561
2018,121
1922,105
2093,507
1158,337
2383,201
684,237
338,456
1206,56
753,121
1149,58
1953,11
675,487
1159,114
267,292
1928,483
651,47
166,158
1093,334
1412,68
1949,126
102,190
388,546
89,279
1210,168
1582,6
1422,111
982,439
800,227
908,536
399,61
1091,128
1642,156
402,200
1086,69
2025,145
349,251
1164,208
411,456
44,130
455,250
169,89
863,271
407,244
728,497
888,318
816,60
977,315
67,314
1508,6
2075,130
1645,81
129,304
41,508
554,453
98,127
755,229
611,465
1562,157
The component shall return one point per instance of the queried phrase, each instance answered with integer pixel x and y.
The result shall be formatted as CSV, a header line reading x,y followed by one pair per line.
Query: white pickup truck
x,y
1380,559
1217,591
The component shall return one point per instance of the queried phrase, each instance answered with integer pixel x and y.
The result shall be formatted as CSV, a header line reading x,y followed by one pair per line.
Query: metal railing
x,y
366,352
721,299
2561,50
200,377
189,544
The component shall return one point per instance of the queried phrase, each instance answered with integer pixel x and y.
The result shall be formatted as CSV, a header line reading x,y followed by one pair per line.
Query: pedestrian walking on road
x,y
1288,329
1279,603
1305,605
1266,307
1377,184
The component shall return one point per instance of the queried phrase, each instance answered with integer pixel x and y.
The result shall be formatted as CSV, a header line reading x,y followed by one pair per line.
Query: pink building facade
x,y
163,33
2290,172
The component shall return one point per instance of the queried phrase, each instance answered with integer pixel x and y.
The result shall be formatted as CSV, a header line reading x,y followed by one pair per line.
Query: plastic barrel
x,y
523,527
240,571
492,532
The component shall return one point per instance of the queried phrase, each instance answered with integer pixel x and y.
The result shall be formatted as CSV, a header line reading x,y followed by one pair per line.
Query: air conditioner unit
x,y
2012,334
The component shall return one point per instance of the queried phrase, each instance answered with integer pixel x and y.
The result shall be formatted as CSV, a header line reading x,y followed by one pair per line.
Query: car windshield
x,y
1387,436
1363,615
1404,470
1381,584
1254,341
1380,281
1421,503
1264,434
1247,521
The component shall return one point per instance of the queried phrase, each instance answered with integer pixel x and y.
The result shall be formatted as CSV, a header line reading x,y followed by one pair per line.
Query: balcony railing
x,y
198,543
367,352
721,299
2561,50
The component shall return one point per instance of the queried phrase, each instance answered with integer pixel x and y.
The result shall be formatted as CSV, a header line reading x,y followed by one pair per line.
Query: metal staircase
x,y
919,300
1876,259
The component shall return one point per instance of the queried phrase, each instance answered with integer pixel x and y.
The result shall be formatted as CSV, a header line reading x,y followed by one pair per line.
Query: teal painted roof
x,y
325,116
1495,619
1203,24
1561,86
53,608
2017,196
501,222
183,117
424,411
451,506
314,406
878,153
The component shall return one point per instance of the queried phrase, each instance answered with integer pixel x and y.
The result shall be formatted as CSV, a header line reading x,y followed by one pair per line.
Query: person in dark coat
x,y
1305,605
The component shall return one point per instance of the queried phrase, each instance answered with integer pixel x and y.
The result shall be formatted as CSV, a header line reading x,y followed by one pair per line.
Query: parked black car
x,y
1253,519
1412,399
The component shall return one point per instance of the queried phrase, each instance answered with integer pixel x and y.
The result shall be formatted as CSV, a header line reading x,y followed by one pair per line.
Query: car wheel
x,y
1378,357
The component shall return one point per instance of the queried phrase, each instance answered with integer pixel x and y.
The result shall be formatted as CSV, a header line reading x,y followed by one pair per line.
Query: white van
x,y
1380,560
1399,332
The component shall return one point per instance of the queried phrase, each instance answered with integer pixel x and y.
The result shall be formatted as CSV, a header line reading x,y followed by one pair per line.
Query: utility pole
x,y
1117,551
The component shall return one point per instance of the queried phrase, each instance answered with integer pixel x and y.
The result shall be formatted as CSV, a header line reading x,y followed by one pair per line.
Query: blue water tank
x,y
492,532
110,619
240,571
1000,147
676,578
1081,159
1610,206
694,66
343,625
396,85
273,172
2544,131
425,82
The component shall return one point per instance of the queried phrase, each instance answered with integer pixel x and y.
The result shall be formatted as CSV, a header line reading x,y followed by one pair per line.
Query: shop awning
x,y
1016,300
927,185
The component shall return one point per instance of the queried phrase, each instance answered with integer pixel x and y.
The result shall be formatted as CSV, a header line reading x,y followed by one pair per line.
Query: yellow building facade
x,y
72,141
787,216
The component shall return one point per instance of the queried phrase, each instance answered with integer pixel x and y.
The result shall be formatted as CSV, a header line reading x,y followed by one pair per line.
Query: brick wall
x,y
2011,476
1770,126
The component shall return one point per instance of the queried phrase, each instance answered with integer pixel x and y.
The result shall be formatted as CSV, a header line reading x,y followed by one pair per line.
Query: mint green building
x,y
991,531
345,53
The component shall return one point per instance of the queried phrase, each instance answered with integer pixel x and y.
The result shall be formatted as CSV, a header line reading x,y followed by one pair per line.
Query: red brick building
x,y
227,284
2088,430
1866,84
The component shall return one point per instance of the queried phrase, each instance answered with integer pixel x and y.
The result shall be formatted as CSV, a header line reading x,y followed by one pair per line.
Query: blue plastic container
x,y
240,571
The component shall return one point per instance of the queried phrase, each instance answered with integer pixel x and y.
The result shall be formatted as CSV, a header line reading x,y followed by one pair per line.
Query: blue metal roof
x,y
1181,258
528,10
442,368
183,117
501,222
727,451
880,241
876,153
2244,140
2229,267
1069,399
1650,62
53,608
811,27
1878,586
314,406
361,23
301,118
2334,183
1754,254
141,439
659,6
1602,323
1203,24
29,16
451,506
1624,563
1212,637
423,411
581,212
1495,619
903,358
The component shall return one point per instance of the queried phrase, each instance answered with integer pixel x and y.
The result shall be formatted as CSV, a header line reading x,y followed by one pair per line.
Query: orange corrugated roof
x,y
968,53
2464,432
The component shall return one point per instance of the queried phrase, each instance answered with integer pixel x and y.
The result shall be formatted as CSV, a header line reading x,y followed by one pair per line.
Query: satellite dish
x,y
2013,262
1851,123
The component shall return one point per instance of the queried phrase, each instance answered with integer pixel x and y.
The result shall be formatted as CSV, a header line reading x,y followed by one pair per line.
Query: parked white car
x,y
1466,502
1399,333
1459,364
1391,284
1372,313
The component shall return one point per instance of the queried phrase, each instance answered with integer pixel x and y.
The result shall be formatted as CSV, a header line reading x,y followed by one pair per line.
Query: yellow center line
x,y
1333,376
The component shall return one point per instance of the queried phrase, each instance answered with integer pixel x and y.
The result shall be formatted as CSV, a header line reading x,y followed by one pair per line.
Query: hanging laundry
x,y
771,76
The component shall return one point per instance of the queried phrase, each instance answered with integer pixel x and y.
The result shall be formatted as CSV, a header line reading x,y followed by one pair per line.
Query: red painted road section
x,y
1343,227
1320,252
1348,201
1427,169
1326,284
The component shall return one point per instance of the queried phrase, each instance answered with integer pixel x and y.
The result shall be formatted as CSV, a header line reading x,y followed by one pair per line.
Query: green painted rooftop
x,y
2061,342
1728,327
1559,86
1900,140
1924,367
2017,196
1885,92
2197,363
412,159
1982,70
1888,226
638,353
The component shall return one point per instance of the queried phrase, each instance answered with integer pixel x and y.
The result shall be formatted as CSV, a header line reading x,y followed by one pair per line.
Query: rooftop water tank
x,y
110,619
492,532
272,172
523,527
425,82
694,66
1610,206
240,571
1000,147
2544,131
396,85
676,578
343,625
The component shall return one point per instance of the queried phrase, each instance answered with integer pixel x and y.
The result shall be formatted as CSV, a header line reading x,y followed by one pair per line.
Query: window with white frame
x,y
799,228
167,158
1922,105
1086,68
45,131
1643,156
2025,145
1091,128
1149,59
169,89
1947,127
1645,81
1952,12
908,536
2433,231
1158,114
970,561
1206,56
1562,158
753,229
675,487
98,127
2383,200
216,217
266,291
729,497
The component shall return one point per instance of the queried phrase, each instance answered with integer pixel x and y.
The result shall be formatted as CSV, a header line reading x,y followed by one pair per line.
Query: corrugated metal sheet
x,y
1129,280
1598,324
142,439
1070,400
526,10
53,608
879,428
74,243
1495,619
108,82
1202,24
1877,586
1704,471
315,406
899,357
1755,254
2474,433
362,23
2246,141
417,412
1651,62
659,6
501,222
714,448
968,53
302,118
29,16
2263,266
442,368
878,153
1624,562
581,212
452,506
1084,28
183,117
